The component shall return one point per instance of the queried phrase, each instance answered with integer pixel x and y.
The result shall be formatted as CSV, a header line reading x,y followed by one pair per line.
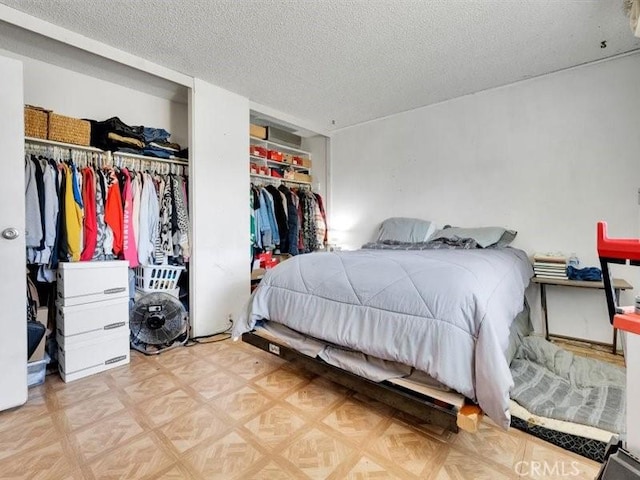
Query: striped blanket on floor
x,y
554,383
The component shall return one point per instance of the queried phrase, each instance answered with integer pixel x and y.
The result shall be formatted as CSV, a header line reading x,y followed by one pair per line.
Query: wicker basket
x,y
36,122
69,130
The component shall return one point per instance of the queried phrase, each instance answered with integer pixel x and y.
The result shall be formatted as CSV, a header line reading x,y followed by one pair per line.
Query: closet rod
x,y
278,179
42,141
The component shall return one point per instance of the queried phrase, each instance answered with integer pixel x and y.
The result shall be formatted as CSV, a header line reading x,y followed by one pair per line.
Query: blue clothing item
x,y
155,134
264,229
77,196
156,152
268,220
137,151
590,274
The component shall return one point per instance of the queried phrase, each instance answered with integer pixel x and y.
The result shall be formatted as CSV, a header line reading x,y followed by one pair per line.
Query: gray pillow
x,y
484,236
408,230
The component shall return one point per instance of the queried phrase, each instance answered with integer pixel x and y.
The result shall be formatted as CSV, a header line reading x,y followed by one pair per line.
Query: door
x,y
13,314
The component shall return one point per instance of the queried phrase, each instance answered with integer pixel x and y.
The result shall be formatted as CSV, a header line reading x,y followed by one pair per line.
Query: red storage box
x,y
257,151
275,155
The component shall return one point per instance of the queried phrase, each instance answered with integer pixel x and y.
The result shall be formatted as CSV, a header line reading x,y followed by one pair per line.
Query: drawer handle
x,y
109,291
115,359
111,326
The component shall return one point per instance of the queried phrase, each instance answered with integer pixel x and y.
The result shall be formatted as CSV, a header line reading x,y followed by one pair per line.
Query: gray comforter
x,y
445,312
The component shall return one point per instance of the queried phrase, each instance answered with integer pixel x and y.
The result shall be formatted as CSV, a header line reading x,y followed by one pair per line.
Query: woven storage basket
x,y
69,130
36,122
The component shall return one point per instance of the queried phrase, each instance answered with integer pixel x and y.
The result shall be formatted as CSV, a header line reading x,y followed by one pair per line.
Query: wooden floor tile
x,y
242,403
115,431
90,410
314,397
151,387
273,471
406,447
46,463
459,466
216,383
274,425
492,444
167,406
135,460
27,435
192,428
353,419
225,458
316,453
367,469
281,381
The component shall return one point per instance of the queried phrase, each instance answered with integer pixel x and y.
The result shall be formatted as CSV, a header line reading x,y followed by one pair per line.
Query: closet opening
x,y
288,191
107,211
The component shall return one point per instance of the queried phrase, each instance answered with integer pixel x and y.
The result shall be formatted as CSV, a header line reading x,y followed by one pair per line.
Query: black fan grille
x,y
157,319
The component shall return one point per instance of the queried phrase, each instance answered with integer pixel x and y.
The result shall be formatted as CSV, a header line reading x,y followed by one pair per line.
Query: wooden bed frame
x,y
443,409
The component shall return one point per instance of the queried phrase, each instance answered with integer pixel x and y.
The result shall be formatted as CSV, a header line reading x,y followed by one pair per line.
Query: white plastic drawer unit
x,y
81,359
79,323
83,282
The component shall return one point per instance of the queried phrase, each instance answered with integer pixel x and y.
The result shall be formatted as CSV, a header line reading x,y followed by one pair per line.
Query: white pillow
x,y
407,230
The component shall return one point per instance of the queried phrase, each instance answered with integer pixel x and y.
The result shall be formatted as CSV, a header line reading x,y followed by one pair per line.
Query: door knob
x,y
10,233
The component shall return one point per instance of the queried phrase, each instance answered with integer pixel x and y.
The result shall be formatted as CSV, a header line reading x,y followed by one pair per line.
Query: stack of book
x,y
550,265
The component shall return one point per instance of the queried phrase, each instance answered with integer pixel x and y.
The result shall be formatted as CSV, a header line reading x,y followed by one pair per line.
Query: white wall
x,y
317,146
548,157
76,95
220,276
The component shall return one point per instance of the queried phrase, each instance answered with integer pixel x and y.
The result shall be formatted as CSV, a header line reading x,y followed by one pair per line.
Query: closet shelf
x,y
285,180
279,164
255,140
42,141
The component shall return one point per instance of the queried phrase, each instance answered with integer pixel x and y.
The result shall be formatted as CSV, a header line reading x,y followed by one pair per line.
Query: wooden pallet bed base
x,y
426,408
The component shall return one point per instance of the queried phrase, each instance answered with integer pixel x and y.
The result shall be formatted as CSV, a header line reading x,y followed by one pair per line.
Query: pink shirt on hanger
x,y
129,250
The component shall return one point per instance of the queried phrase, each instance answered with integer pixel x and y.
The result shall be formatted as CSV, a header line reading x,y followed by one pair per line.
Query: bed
x,y
441,308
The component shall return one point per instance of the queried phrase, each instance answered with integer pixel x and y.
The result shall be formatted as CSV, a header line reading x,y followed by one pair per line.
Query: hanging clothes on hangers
x,y
148,232
73,213
103,247
33,218
114,213
84,206
90,230
292,221
129,250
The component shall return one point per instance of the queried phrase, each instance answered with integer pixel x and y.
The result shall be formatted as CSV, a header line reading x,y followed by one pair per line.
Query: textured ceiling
x,y
336,63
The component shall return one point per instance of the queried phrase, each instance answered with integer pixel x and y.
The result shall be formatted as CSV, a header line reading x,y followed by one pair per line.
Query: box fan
x,y
158,322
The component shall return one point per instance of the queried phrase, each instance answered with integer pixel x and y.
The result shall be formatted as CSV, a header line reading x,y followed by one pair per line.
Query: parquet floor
x,y
229,411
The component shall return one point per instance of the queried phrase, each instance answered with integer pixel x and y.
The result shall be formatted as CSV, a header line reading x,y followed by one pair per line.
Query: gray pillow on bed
x,y
408,230
484,236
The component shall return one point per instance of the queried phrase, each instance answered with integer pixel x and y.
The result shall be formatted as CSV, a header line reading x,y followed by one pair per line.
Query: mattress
x,y
444,312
